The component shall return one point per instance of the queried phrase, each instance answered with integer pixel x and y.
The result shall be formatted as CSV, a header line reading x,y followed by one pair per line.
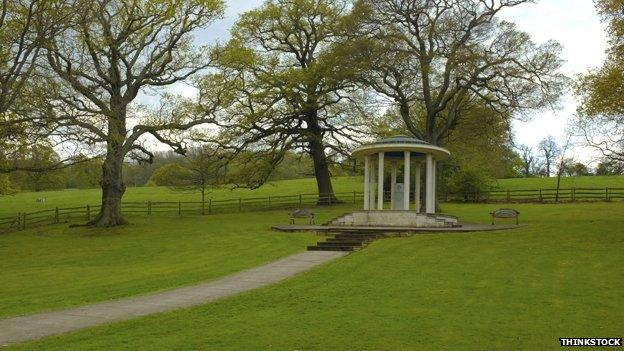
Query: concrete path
x,y
36,326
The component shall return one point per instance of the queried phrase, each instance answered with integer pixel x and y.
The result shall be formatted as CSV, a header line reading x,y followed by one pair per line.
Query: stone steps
x,y
346,241
339,244
355,237
335,248
349,241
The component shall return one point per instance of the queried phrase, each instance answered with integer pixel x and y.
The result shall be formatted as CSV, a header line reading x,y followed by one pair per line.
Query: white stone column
x,y
430,183
366,182
380,184
417,187
406,181
434,180
393,179
372,187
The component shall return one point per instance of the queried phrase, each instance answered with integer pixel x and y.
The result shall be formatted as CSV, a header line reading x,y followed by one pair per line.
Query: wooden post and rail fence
x,y
57,215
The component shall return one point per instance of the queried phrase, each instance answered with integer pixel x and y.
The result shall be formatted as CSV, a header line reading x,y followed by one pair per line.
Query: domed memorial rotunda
x,y
412,157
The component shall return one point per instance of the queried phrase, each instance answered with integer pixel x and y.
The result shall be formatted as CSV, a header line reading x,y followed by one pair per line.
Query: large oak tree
x,y
112,51
294,71
437,59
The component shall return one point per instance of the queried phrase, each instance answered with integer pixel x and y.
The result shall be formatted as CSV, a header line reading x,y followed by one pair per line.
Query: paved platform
x,y
465,228
40,325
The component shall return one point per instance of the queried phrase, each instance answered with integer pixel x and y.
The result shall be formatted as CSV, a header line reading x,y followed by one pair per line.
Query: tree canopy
x,y
601,91
25,25
293,70
108,52
436,59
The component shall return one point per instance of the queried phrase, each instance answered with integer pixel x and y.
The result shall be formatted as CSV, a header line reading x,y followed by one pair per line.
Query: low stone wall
x,y
395,219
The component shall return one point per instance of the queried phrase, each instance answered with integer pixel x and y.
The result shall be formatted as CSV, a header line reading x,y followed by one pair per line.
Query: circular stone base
x,y
395,219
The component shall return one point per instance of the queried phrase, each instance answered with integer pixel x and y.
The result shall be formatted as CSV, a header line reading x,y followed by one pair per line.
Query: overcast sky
x,y
576,25
573,23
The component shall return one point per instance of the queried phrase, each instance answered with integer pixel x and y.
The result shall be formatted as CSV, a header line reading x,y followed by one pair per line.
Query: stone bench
x,y
505,213
301,213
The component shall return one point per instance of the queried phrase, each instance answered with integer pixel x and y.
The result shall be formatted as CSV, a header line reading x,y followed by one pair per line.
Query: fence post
x,y
607,194
56,215
240,204
88,213
203,210
149,208
179,208
300,200
508,196
19,220
24,221
329,198
541,198
269,202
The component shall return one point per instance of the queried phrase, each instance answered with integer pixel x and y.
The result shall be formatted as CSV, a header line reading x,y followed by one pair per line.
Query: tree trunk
x,y
319,158
112,183
113,189
548,168
321,172
558,186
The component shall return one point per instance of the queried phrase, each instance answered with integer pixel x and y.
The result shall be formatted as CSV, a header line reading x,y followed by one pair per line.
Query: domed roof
x,y
401,143
400,139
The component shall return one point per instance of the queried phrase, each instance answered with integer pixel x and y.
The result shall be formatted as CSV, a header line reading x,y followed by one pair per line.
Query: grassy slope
x,y
566,182
521,289
54,266
22,202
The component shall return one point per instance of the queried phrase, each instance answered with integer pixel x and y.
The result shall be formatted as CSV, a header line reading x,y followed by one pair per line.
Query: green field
x,y
522,289
26,202
57,266
566,182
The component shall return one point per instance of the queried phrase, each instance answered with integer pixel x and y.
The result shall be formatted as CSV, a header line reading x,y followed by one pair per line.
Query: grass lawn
x,y
55,266
566,182
562,276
